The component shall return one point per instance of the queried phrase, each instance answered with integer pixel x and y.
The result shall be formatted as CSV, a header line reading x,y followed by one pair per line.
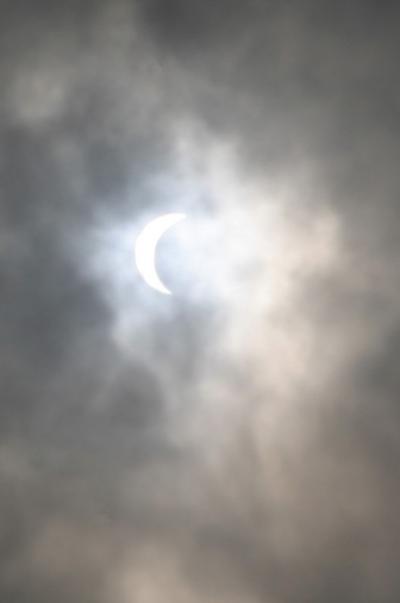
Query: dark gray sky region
x,y
238,441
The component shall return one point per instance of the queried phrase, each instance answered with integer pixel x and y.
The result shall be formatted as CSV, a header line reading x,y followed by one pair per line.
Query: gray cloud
x,y
238,441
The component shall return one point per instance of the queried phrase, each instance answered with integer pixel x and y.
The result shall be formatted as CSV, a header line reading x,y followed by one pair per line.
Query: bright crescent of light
x,y
146,245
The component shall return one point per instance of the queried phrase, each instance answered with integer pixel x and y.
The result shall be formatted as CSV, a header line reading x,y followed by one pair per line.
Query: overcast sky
x,y
238,441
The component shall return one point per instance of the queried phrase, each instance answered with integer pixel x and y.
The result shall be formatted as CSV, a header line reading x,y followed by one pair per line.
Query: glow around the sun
x,y
238,248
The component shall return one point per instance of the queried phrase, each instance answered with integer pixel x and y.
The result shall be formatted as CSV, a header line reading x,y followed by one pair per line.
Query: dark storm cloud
x,y
199,450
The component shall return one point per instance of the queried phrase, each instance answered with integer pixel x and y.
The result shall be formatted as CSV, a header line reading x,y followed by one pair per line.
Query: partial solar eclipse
x,y
146,246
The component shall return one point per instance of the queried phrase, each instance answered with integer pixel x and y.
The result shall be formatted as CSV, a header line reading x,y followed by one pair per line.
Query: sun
x,y
145,249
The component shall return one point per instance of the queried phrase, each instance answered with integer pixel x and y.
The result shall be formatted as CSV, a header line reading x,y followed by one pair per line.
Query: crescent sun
x,y
146,246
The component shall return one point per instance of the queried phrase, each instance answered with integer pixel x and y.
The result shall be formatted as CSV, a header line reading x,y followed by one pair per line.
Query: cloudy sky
x,y
238,441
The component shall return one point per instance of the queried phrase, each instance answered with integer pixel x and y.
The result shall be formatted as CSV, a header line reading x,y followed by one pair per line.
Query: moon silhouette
x,y
146,246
